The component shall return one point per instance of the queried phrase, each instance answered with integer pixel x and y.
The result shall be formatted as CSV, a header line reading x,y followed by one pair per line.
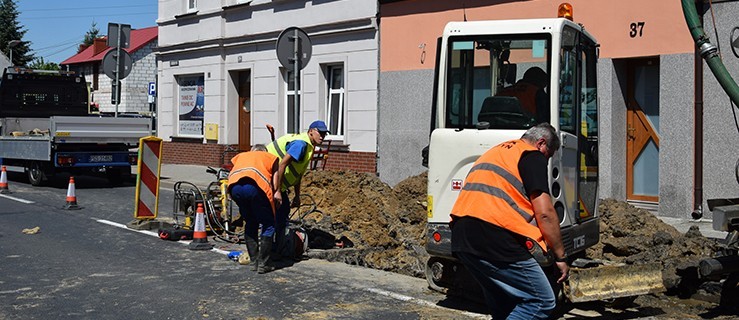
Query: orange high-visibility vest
x,y
256,165
526,94
493,192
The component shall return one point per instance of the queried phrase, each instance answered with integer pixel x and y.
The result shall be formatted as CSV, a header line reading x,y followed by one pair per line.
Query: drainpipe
x,y
698,131
709,52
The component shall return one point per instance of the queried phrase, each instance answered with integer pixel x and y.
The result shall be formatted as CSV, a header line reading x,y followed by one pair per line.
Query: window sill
x,y
185,15
236,5
186,139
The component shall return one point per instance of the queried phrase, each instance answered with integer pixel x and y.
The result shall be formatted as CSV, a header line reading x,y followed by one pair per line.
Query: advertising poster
x,y
191,104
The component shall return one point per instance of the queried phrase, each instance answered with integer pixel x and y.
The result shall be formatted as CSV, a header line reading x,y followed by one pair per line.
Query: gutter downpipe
x,y
709,52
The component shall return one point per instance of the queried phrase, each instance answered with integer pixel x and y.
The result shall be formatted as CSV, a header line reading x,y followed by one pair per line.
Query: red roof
x,y
139,38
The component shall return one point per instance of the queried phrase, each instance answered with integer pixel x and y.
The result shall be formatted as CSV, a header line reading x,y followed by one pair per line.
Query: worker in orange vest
x,y
503,214
254,185
530,93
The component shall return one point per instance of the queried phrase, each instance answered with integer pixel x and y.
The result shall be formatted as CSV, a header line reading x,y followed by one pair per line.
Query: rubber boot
x,y
265,248
252,247
278,246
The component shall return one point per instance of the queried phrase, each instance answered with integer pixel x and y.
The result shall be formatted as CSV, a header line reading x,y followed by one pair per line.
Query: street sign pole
x,y
117,92
296,83
294,52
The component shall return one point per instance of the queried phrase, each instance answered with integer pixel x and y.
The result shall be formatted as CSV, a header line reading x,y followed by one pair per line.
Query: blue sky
x,y
56,28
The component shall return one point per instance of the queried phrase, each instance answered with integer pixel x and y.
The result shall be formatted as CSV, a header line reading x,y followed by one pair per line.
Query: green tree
x,y
40,64
11,30
90,35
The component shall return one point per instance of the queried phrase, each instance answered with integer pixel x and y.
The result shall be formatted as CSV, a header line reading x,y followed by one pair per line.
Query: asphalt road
x,y
84,264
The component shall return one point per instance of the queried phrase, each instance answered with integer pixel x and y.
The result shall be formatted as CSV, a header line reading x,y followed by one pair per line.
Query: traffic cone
x,y
199,237
71,198
4,181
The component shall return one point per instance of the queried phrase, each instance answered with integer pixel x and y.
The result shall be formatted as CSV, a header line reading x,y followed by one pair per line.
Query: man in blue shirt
x,y
295,152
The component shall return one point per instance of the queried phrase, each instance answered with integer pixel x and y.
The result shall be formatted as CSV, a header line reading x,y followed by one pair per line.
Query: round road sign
x,y
286,48
109,62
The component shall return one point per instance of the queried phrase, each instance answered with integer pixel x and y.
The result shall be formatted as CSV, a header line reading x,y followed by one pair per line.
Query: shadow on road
x,y
61,181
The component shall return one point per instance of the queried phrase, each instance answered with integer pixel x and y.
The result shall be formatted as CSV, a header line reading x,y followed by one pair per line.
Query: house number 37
x,y
636,29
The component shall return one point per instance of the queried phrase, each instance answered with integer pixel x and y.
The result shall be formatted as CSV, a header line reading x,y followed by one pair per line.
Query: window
x,y
192,5
335,100
191,105
292,101
568,57
480,72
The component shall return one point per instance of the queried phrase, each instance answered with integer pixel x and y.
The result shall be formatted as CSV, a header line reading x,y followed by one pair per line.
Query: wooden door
x,y
642,130
244,106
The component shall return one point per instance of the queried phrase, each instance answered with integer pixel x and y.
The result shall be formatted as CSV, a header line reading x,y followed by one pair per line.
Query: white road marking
x,y
422,302
151,233
16,199
15,291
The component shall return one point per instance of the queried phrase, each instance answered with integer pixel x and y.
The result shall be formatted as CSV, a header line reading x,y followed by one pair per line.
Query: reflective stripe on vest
x,y
296,168
493,192
257,166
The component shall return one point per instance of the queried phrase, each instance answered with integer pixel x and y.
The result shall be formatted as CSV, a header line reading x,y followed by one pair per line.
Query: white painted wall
x,y
211,42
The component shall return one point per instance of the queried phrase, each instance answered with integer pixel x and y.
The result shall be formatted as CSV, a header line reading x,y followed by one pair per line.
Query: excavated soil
x,y
385,228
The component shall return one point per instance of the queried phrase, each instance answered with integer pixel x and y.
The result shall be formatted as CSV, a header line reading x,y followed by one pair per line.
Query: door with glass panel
x,y
642,130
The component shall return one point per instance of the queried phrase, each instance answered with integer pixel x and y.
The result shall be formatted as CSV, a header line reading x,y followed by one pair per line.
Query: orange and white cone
x,y
4,181
200,237
71,198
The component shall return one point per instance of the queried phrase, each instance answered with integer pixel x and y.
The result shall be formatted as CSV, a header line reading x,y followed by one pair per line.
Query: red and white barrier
x,y
147,182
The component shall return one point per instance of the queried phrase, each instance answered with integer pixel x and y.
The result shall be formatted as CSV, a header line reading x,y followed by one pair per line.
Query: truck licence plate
x,y
101,158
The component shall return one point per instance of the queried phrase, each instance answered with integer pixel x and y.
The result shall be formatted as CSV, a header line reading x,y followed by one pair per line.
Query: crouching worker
x,y
505,192
252,184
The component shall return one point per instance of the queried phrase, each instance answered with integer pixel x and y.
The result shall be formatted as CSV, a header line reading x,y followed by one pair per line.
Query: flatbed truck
x,y
46,128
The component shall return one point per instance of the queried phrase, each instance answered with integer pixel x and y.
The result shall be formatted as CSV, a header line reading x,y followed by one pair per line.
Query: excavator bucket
x,y
613,281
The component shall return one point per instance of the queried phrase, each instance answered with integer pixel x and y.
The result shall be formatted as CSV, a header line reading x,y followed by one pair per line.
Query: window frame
x,y
339,133
178,81
191,5
287,97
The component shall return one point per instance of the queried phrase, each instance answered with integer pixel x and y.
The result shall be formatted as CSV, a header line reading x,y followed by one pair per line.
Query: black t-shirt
x,y
483,239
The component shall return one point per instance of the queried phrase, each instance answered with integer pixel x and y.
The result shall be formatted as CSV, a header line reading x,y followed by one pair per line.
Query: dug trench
x,y
359,220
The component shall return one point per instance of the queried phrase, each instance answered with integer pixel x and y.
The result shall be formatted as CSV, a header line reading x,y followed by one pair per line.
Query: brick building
x,y
134,94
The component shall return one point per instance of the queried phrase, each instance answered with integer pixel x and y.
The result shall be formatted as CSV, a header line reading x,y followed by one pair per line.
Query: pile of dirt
x,y
387,226
635,236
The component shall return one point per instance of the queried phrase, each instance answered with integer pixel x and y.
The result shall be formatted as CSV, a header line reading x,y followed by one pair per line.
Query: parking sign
x,y
152,89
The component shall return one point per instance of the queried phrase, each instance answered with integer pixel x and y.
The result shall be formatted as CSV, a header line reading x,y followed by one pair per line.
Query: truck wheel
x,y
36,175
435,275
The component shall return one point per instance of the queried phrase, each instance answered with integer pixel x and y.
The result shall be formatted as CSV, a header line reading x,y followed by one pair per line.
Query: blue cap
x,y
319,125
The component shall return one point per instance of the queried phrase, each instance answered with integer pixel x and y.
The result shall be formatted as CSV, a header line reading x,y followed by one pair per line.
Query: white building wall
x,y
219,42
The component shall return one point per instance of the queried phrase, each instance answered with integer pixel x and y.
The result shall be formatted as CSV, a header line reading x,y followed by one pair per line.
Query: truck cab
x,y
479,64
46,128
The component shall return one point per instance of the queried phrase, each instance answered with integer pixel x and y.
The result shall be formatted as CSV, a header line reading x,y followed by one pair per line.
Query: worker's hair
x,y
258,147
545,131
537,76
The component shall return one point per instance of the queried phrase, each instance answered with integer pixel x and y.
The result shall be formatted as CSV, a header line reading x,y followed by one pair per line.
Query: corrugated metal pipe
x,y
709,52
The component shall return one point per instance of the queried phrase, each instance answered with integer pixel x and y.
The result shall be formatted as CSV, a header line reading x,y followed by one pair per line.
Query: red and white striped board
x,y
147,181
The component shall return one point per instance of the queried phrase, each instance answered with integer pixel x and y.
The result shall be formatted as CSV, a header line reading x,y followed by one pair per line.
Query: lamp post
x,y
11,44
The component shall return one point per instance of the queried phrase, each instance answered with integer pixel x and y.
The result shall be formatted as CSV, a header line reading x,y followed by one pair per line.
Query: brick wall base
x,y
354,161
197,153
210,154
